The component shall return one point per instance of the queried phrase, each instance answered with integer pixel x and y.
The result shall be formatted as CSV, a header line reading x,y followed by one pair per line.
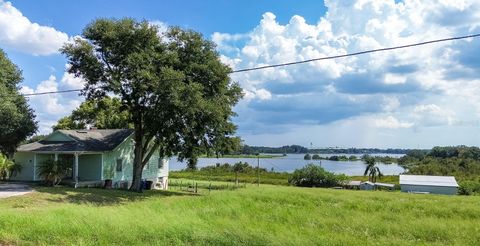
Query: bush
x,y
307,157
469,188
53,172
8,168
316,157
315,176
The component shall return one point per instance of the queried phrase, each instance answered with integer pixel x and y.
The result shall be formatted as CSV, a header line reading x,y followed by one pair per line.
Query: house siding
x,y
26,159
58,136
125,151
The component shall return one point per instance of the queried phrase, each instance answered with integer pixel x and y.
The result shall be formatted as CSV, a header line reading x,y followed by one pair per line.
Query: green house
x,y
96,155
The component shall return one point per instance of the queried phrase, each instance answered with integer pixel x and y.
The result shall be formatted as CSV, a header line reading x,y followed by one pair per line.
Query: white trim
x,y
75,170
101,170
34,167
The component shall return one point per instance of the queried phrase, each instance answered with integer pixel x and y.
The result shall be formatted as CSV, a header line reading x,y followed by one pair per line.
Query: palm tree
x,y
372,169
8,168
53,171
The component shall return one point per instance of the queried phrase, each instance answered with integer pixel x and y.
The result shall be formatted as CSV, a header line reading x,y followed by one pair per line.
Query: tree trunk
x,y
137,162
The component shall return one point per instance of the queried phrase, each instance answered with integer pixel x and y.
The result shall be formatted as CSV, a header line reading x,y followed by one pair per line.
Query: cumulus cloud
x,y
426,86
391,122
19,33
51,107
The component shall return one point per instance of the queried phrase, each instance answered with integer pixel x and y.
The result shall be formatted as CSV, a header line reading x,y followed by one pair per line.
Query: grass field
x,y
268,215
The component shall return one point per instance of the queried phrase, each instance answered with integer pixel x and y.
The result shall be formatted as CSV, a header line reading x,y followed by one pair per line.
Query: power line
x,y
309,60
356,53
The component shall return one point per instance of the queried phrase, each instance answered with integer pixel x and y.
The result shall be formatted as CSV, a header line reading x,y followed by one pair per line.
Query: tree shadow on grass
x,y
102,197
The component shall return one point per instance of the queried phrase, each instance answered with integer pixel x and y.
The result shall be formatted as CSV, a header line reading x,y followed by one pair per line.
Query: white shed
x,y
429,184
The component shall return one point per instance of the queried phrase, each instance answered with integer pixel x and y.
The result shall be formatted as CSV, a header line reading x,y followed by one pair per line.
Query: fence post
x,y
196,187
209,187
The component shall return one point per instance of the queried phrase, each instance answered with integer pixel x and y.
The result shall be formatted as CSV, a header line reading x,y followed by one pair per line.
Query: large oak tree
x,y
17,119
176,89
104,113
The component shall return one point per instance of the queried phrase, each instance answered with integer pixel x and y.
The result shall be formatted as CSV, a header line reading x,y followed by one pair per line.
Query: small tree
x,y
307,157
372,169
53,172
8,168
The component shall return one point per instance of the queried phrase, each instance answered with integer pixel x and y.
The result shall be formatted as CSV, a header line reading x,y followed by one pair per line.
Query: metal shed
x,y
429,184
367,186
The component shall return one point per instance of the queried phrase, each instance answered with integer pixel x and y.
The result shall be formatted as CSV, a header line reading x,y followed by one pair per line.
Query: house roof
x,y
80,140
444,181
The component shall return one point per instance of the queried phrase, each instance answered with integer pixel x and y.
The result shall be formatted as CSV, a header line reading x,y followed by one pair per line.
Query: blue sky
x,y
415,98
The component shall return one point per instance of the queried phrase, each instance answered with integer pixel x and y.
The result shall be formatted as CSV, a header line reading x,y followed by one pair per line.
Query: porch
x,y
86,168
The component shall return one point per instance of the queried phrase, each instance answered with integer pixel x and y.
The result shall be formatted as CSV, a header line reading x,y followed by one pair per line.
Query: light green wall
x,y
90,167
26,160
125,151
57,136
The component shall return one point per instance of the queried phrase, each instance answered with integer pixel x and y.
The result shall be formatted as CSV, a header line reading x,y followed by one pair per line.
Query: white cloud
x,y
69,81
424,86
18,32
51,107
391,122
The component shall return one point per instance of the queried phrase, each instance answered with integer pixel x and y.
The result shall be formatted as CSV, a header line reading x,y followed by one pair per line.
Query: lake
x,y
294,161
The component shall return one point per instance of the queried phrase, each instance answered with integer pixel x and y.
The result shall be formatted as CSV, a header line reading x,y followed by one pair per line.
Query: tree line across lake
x,y
298,149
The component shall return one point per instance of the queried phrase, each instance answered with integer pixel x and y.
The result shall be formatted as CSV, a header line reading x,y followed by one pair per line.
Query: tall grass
x,y
268,215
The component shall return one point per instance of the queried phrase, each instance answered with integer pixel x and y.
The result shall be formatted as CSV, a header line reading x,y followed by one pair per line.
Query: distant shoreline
x,y
262,156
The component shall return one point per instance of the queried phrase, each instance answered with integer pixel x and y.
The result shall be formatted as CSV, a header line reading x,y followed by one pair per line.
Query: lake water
x,y
294,161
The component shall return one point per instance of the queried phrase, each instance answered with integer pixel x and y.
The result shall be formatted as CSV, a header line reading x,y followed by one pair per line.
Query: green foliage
x,y
17,119
239,172
307,157
103,113
8,168
174,86
53,172
469,187
315,176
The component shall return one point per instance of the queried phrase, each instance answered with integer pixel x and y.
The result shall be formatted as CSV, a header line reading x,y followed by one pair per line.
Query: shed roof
x,y
81,140
425,180
385,184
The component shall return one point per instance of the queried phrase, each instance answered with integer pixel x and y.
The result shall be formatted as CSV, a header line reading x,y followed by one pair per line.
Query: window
x,y
119,165
160,163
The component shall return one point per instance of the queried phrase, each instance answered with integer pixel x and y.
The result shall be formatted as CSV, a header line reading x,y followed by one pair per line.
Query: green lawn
x,y
268,215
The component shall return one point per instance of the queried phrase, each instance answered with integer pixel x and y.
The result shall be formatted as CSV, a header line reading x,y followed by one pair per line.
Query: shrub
x,y
8,168
315,176
53,172
316,157
469,188
307,157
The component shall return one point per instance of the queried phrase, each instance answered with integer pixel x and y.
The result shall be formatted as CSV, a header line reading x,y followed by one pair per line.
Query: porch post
x,y
75,170
56,157
35,167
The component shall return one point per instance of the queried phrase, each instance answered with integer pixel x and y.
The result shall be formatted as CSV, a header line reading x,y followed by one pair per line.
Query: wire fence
x,y
199,187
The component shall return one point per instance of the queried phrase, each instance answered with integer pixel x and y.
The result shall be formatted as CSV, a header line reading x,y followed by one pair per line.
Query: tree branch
x,y
150,153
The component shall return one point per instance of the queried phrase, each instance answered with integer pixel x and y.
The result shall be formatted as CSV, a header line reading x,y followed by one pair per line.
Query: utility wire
x,y
309,60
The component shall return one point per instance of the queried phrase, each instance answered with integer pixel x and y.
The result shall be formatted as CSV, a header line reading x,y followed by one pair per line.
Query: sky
x,y
411,98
